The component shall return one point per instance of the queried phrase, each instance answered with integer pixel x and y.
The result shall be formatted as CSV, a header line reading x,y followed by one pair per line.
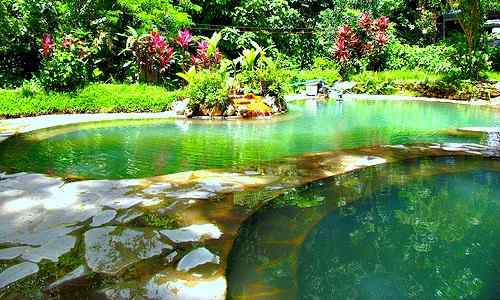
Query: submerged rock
x,y
103,217
17,272
111,249
193,233
195,258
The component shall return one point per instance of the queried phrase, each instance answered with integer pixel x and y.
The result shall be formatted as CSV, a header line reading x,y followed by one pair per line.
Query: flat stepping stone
x,y
51,250
79,273
163,287
40,237
199,195
158,188
103,218
480,129
193,233
17,272
111,249
129,216
195,258
11,253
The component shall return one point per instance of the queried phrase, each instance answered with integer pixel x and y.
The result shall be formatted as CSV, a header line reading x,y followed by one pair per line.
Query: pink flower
x,y
67,43
344,31
365,21
381,38
47,45
184,38
156,42
166,57
383,23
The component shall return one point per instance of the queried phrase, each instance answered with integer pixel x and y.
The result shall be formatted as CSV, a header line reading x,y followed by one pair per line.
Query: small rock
x,y
103,217
193,233
170,258
195,258
78,274
269,100
179,107
230,111
17,272
188,113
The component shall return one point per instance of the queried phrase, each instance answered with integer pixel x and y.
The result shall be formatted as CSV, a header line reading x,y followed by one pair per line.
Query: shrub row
x,y
92,99
419,83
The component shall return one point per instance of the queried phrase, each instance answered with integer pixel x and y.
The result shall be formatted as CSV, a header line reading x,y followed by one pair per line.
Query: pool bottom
x,y
426,229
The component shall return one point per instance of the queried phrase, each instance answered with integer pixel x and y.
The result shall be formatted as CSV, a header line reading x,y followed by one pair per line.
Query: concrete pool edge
x,y
191,192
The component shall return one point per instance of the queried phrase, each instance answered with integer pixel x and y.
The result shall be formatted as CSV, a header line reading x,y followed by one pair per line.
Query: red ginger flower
x,y
67,43
157,42
365,21
47,45
184,38
383,23
166,58
344,31
381,38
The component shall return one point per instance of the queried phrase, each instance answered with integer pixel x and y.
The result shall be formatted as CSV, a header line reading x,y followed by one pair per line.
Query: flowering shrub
x,y
65,65
367,39
157,59
153,54
207,53
47,45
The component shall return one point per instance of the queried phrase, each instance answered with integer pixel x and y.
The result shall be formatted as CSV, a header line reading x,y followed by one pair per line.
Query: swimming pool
x,y
135,149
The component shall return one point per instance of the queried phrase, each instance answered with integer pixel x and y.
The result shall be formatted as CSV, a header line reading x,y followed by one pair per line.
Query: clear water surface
x,y
424,234
134,149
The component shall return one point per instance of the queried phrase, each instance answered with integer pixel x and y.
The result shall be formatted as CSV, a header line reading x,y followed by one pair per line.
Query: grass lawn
x,y
92,99
493,75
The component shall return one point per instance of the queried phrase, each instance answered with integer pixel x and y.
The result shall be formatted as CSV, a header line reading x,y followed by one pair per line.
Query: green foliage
x,y
493,75
160,221
298,199
92,99
158,14
324,69
437,59
207,88
64,71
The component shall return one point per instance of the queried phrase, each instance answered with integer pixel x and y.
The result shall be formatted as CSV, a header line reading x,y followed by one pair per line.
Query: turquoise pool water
x,y
421,230
142,149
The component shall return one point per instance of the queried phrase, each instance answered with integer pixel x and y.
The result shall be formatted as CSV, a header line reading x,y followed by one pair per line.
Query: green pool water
x,y
427,229
142,149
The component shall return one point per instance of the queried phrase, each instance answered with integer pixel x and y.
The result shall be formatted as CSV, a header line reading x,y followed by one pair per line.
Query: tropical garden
x,y
70,56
